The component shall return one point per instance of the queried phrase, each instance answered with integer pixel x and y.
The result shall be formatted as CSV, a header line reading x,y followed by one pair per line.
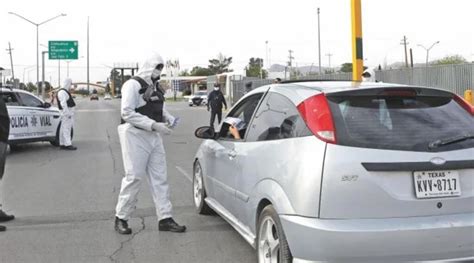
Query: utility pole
x,y
290,62
42,78
319,45
357,50
329,57
88,89
405,43
411,57
11,61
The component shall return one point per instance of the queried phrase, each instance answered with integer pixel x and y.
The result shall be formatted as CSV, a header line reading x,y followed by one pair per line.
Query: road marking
x,y
181,170
96,110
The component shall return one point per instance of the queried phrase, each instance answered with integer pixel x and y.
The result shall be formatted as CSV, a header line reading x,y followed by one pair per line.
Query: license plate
x,y
433,184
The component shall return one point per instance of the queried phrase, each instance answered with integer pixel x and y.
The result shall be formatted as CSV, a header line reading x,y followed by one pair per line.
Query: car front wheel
x,y
272,245
199,192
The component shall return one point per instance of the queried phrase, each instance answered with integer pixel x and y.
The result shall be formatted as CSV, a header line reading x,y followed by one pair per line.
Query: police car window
x,y
29,101
277,118
10,99
244,112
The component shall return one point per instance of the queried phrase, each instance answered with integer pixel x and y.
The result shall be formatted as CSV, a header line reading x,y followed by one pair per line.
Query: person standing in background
x,y
215,101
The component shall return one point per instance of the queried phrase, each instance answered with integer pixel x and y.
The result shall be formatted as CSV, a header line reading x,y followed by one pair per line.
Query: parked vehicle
x,y
94,96
31,119
344,171
199,98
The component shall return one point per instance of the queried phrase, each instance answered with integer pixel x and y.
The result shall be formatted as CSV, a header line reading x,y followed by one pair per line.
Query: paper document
x,y
236,122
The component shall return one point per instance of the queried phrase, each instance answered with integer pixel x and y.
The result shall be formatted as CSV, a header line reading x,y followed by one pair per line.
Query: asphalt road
x,y
64,201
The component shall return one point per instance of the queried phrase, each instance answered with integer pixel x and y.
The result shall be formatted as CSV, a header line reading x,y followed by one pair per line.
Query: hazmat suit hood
x,y
368,75
67,84
149,71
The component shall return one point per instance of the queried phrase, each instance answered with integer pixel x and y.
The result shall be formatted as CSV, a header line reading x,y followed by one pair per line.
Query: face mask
x,y
155,75
216,89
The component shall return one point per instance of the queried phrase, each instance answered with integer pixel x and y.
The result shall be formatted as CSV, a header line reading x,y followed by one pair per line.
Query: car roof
x,y
4,89
298,91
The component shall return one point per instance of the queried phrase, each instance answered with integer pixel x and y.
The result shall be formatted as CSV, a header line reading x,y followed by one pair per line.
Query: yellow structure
x,y
468,96
357,54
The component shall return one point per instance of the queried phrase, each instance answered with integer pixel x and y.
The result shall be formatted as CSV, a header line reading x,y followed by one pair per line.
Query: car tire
x,y
272,245
199,191
56,138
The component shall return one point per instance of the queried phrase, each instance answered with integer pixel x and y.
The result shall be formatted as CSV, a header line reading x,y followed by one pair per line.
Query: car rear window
x,y
400,122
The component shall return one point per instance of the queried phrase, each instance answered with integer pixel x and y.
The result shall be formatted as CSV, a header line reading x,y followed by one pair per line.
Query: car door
x,y
43,121
271,141
227,165
19,125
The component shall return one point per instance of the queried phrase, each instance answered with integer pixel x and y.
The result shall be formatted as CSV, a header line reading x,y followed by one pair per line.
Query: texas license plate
x,y
433,184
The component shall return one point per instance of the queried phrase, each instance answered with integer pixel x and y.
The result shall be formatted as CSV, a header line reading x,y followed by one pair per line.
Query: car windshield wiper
x,y
438,143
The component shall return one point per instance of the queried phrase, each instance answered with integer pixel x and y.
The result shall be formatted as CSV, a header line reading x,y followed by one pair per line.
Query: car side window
x,y
243,111
30,101
10,99
277,118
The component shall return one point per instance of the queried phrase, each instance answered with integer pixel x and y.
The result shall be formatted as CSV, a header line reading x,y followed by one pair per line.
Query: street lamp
x,y
37,40
428,50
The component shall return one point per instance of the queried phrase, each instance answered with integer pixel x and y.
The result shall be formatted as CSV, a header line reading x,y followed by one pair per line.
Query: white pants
x,y
143,157
65,130
3,153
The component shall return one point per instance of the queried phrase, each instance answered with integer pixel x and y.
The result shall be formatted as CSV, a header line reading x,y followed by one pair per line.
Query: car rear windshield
x,y
409,119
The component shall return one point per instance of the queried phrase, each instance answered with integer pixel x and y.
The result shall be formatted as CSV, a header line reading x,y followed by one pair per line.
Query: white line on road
x,y
96,110
181,170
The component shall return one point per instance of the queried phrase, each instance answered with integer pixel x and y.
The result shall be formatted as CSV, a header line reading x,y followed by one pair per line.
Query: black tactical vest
x,y
154,99
70,102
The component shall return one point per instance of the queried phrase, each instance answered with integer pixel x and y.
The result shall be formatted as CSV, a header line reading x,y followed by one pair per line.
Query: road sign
x,y
63,49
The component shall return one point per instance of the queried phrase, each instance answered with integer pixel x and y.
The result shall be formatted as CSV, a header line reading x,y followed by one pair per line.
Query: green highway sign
x,y
63,49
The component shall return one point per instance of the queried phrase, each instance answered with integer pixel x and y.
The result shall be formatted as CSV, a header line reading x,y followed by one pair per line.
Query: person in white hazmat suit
x,y
144,121
368,75
66,106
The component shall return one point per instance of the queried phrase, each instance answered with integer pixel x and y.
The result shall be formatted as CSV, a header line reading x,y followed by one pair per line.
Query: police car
x,y
200,98
31,119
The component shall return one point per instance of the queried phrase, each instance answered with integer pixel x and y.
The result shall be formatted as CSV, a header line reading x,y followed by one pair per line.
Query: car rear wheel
x,y
199,192
272,245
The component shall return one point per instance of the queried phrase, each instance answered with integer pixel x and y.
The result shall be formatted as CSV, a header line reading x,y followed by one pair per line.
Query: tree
x,y
199,71
220,64
455,59
184,73
346,67
254,67
30,87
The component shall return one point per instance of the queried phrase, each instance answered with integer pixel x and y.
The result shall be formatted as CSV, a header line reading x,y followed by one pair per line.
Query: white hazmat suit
x,y
368,75
142,147
67,115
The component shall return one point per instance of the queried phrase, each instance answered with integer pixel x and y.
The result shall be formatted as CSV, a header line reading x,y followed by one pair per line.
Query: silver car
x,y
344,171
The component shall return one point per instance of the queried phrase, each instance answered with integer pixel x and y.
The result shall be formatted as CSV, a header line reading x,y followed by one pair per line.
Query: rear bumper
x,y
449,237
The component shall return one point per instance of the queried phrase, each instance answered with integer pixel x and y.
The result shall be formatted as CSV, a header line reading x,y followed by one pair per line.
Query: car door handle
x,y
232,154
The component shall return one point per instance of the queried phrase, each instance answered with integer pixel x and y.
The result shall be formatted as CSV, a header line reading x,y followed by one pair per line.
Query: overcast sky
x,y
195,31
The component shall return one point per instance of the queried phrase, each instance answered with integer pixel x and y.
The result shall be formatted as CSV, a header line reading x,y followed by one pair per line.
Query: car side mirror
x,y
46,105
205,132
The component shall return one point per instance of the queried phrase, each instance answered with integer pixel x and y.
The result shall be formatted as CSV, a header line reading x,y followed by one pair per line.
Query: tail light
x,y
464,104
317,115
